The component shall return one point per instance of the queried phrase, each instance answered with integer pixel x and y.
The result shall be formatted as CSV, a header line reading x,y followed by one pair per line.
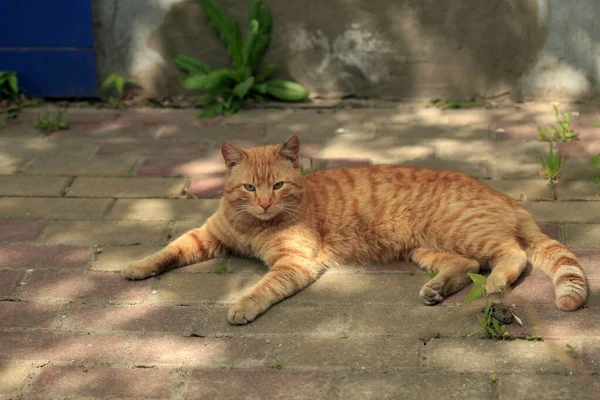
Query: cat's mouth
x,y
267,215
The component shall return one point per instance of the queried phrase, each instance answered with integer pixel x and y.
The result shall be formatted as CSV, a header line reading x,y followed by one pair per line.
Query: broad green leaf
x,y
211,111
477,279
242,88
265,72
286,90
191,65
249,41
595,161
120,84
226,29
260,88
236,104
109,81
208,82
13,82
475,293
260,12
235,50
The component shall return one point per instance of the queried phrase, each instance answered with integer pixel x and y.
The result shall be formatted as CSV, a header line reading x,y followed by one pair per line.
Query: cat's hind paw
x,y
243,312
431,293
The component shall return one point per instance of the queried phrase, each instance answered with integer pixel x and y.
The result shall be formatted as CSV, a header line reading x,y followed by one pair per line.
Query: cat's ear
x,y
231,154
290,149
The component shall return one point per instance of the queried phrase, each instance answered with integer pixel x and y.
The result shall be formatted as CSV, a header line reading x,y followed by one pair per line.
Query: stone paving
x,y
78,204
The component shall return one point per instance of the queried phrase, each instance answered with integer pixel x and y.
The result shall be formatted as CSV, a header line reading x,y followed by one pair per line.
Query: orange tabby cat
x,y
298,225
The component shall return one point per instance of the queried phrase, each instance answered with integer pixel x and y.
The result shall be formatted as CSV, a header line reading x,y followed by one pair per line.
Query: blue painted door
x,y
50,43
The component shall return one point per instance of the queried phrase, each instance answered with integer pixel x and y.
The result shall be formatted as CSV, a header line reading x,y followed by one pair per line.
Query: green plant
x,y
225,89
551,165
489,324
222,270
572,350
313,167
453,104
595,161
494,377
47,123
535,337
432,273
276,364
9,85
560,133
116,84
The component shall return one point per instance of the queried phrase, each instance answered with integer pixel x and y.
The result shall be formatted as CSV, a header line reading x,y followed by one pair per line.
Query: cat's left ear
x,y
290,150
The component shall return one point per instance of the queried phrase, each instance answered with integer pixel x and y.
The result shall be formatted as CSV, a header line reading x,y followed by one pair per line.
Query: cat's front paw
x,y
138,270
431,293
243,312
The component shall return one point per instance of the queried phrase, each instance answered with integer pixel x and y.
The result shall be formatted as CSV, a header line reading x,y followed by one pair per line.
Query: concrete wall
x,y
389,49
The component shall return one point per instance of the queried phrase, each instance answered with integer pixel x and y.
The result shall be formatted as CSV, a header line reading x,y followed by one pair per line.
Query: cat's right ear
x,y
231,154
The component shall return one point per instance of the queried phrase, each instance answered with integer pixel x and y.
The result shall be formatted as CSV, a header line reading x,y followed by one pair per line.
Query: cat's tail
x,y
556,261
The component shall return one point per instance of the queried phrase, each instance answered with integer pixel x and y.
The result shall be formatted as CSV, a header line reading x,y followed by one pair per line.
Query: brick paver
x,y
79,204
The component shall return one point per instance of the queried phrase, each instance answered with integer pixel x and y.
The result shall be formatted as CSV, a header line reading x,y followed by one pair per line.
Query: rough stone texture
x,y
493,356
528,189
78,382
578,190
565,212
23,257
21,230
28,315
202,352
126,187
414,386
81,166
13,377
359,332
52,208
9,282
583,235
105,232
358,353
548,387
60,347
67,286
31,186
223,385
179,320
147,209
346,50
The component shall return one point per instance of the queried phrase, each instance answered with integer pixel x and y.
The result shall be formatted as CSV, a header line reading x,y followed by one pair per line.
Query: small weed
x,y
46,123
313,167
572,350
535,337
493,378
560,133
489,324
595,161
222,270
453,104
116,84
9,85
276,364
551,165
226,89
432,273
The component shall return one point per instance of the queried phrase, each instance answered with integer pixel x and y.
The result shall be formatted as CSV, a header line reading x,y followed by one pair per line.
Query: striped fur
x,y
439,219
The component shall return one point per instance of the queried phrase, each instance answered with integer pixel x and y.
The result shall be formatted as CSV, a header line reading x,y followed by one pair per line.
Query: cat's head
x,y
263,181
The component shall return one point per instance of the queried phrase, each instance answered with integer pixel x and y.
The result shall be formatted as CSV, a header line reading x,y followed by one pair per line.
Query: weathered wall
x,y
390,49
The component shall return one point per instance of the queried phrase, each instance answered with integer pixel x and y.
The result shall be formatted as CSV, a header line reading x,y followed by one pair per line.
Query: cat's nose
x,y
265,206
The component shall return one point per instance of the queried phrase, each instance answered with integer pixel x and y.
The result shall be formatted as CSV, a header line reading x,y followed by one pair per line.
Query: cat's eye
x,y
249,187
278,185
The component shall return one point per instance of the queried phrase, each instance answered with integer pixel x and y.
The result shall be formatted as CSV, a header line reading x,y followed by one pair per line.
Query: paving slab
x,y
78,205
